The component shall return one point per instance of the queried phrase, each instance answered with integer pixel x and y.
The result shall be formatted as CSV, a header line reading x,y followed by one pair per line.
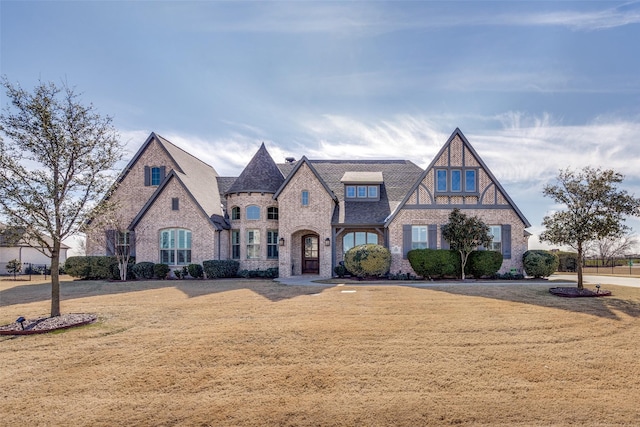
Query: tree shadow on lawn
x,y
623,300
73,289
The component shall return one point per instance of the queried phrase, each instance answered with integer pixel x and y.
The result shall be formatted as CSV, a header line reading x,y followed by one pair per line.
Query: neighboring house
x,y
302,216
13,246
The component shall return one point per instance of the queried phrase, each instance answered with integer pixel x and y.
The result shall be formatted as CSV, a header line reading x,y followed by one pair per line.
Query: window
x,y
123,244
272,212
496,242
419,239
175,204
441,180
373,191
155,176
358,238
235,244
361,191
305,198
253,244
272,244
470,181
253,212
175,246
456,180
235,212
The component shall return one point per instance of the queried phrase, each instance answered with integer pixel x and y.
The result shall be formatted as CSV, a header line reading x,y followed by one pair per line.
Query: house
x,y
303,215
14,247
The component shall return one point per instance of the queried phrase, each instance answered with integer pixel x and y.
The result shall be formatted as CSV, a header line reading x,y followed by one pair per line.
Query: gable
x,y
458,178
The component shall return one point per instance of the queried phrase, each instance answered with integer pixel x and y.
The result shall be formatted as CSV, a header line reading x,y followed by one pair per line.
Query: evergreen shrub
x,y
367,260
216,269
195,270
143,270
540,263
483,263
161,270
434,263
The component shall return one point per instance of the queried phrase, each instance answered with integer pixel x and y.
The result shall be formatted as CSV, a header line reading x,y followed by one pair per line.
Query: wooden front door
x,y
310,254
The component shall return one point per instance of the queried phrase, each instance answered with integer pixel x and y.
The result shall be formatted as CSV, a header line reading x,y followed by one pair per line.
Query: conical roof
x,y
260,176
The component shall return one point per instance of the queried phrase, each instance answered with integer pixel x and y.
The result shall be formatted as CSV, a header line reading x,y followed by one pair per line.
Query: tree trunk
x,y
55,279
463,262
579,269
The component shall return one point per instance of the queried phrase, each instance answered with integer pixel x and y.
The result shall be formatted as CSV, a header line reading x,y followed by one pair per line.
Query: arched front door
x,y
310,254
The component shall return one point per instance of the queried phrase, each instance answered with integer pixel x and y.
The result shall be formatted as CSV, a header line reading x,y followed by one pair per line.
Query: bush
x,y
195,271
540,263
269,273
567,261
434,263
483,263
161,270
216,269
143,270
367,260
340,270
92,267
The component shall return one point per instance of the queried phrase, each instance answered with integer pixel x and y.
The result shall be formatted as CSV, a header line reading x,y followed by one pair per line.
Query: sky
x,y
536,87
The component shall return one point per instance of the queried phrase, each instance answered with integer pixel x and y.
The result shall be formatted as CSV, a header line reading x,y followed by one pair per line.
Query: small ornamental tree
x,y
367,260
465,234
14,267
595,209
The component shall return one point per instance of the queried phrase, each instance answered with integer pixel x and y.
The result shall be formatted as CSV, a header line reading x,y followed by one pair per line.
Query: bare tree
x,y
55,163
611,248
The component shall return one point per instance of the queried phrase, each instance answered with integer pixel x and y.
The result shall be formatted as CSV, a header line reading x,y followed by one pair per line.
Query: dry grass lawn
x,y
257,353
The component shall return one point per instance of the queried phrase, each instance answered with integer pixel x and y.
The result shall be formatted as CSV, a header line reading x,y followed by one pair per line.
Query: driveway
x,y
593,280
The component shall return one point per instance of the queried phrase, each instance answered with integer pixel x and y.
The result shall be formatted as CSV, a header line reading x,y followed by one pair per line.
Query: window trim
x,y
235,213
272,213
418,244
497,240
442,178
177,246
304,198
235,245
254,209
253,243
272,244
458,188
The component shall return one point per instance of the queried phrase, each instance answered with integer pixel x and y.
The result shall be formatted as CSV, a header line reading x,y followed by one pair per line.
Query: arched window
x,y
358,238
253,212
175,246
235,212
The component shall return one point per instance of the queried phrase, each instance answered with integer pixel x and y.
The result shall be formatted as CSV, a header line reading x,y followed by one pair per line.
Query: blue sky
x,y
535,86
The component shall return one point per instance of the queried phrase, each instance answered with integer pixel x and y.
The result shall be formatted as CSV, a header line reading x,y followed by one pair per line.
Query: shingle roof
x,y
398,175
261,175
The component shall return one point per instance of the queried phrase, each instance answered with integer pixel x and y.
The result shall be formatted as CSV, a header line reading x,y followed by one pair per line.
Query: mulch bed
x,y
579,293
47,324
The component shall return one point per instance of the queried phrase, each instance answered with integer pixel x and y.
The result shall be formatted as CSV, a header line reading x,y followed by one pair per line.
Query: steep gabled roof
x,y
261,175
197,177
398,176
184,181
295,168
465,142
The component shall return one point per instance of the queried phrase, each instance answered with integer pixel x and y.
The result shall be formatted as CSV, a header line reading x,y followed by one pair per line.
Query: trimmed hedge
x,y
161,270
143,270
434,263
483,263
540,263
195,270
269,273
92,267
216,269
367,260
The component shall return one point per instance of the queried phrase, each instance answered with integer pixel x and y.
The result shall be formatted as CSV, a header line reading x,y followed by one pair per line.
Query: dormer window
x,y
362,186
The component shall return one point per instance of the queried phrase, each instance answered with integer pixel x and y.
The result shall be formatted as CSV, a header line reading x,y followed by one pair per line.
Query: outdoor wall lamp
x,y
281,241
327,242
